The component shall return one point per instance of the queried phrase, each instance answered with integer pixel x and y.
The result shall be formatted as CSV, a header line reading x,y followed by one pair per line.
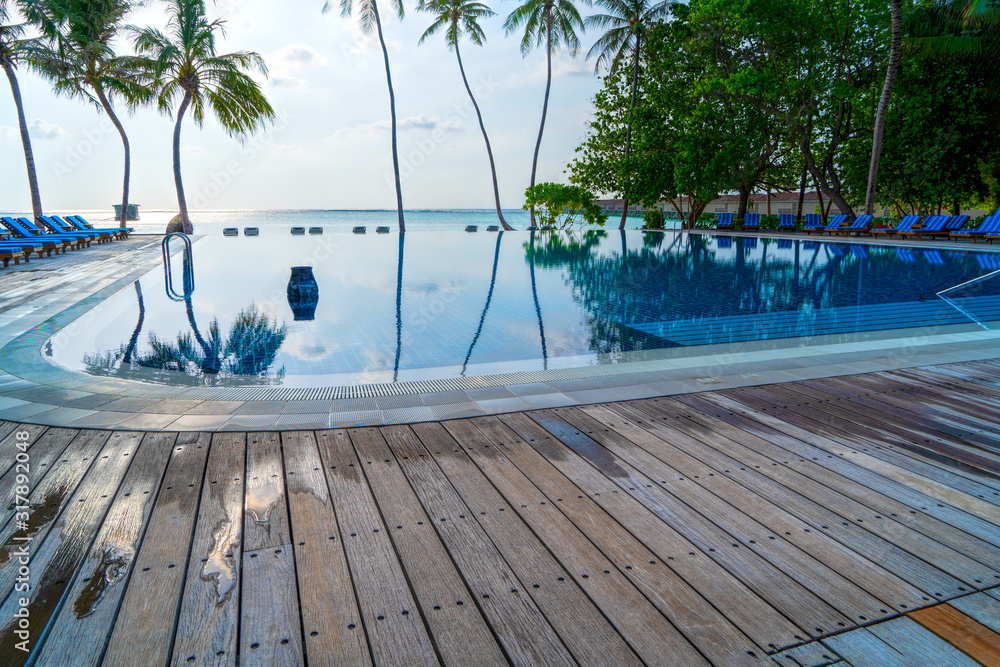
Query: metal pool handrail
x,y
188,268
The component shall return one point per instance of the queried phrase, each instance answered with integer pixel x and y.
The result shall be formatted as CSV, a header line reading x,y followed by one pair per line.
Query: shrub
x,y
563,205
653,219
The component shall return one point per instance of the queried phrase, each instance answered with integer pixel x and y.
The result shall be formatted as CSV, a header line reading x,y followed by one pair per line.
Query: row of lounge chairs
x,y
910,227
54,235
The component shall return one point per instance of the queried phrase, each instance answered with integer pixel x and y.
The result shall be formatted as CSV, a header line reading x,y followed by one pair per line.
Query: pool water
x,y
437,305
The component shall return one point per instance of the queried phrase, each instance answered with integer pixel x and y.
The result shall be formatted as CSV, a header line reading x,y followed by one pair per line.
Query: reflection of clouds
x,y
304,344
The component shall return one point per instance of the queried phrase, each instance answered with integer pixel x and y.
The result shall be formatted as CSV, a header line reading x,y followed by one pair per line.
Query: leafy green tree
x,y
553,23
185,64
564,205
370,20
456,17
81,62
626,27
14,49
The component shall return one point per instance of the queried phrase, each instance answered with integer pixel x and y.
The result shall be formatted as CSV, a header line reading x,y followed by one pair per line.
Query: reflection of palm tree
x,y
489,297
534,294
399,308
130,350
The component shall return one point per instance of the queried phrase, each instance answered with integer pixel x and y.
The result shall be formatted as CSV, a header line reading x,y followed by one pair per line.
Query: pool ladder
x,y
188,268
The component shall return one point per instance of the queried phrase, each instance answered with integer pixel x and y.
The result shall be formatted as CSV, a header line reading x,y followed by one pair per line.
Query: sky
x,y
330,145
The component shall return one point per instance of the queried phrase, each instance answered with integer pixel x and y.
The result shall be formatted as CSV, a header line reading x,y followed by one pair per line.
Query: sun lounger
x,y
378,230
860,226
725,221
358,230
814,223
933,225
77,223
836,223
298,231
904,226
786,222
315,231
60,228
231,231
472,228
12,252
251,231
751,222
24,232
988,226
493,228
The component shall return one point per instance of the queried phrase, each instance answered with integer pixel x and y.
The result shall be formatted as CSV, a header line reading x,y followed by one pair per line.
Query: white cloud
x,y
39,129
282,81
7,132
296,55
420,122
193,150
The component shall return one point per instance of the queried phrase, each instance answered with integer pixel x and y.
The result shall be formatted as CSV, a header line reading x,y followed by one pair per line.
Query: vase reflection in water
x,y
303,293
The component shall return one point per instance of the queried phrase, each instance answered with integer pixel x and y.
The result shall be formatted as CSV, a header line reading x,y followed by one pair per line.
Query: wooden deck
x,y
818,522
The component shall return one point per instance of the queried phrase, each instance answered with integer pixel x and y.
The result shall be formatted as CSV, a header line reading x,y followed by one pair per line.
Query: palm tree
x,y
456,15
369,18
13,50
895,51
554,23
185,63
626,25
82,63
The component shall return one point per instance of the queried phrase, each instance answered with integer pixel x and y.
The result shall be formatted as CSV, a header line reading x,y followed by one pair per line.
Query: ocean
x,y
280,221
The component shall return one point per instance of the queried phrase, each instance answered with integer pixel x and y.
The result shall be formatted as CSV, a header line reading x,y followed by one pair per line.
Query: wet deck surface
x,y
850,521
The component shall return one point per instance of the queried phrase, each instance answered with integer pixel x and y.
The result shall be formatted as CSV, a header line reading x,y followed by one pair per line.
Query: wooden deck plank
x,y
768,582
919,645
459,632
964,633
807,655
49,497
631,534
449,489
905,468
379,582
7,428
270,625
270,629
982,607
866,473
209,611
777,506
8,443
926,514
56,561
265,525
879,433
640,620
144,630
861,648
326,592
42,453
774,545
521,473
80,630
916,429
872,532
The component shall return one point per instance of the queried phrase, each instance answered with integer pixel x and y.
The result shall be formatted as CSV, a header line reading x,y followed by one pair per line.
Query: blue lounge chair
x,y
860,226
24,233
751,222
725,221
80,237
12,252
814,223
79,224
786,222
988,226
58,227
933,226
904,226
835,223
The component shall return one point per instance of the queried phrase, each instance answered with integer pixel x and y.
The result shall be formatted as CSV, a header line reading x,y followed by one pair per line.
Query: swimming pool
x,y
440,305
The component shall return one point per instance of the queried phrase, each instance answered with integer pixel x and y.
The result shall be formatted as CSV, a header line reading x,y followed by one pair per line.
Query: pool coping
x,y
33,390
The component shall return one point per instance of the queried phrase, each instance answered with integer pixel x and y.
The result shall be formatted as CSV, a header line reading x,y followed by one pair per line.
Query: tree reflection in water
x,y
249,350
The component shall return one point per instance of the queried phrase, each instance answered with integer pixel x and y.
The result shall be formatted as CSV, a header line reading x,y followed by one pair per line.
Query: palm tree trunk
x,y
489,151
181,201
392,116
134,340
29,156
545,106
628,128
106,103
399,307
895,51
489,297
